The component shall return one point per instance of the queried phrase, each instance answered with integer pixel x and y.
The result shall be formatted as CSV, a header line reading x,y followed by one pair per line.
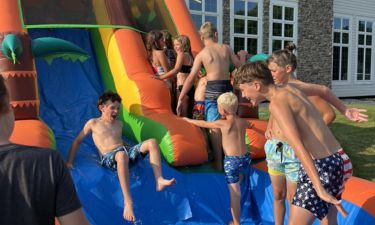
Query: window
x,y
283,24
206,10
364,50
246,25
341,41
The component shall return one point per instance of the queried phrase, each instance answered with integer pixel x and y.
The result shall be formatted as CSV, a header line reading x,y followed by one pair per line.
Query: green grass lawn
x,y
357,139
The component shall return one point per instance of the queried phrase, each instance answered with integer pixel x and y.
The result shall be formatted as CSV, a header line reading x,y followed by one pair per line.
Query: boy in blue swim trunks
x,y
237,157
215,58
107,135
321,175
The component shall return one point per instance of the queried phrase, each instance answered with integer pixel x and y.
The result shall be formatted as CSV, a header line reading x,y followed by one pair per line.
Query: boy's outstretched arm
x,y
201,123
189,81
237,62
352,114
76,143
284,117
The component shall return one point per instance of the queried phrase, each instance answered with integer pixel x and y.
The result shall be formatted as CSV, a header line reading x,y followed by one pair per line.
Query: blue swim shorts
x,y
331,175
109,161
281,159
211,111
234,165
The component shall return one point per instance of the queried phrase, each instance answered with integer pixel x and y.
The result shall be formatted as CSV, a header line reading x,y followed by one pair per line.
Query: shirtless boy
x,y
107,135
216,59
237,157
321,175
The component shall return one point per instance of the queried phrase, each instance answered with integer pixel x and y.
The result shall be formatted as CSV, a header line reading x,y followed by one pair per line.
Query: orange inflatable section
x,y
188,141
257,138
33,133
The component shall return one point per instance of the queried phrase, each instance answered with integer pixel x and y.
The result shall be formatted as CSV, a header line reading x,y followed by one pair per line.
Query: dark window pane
x,y
276,45
288,30
344,63
197,19
369,27
276,30
252,27
211,5
368,61
367,76
336,63
360,61
345,24
345,38
369,40
361,39
239,7
337,23
289,13
252,45
361,25
336,37
360,76
239,26
277,12
252,9
239,44
194,5
212,19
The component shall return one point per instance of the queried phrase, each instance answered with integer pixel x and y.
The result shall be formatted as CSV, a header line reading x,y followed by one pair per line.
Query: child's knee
x,y
152,143
121,157
279,194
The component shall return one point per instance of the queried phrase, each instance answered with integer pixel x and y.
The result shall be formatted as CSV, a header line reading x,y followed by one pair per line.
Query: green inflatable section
x,y
136,128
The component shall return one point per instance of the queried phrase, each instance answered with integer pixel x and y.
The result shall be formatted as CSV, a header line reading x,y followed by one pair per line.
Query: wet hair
x,y
228,101
4,97
108,96
185,42
207,30
167,38
285,56
152,39
250,72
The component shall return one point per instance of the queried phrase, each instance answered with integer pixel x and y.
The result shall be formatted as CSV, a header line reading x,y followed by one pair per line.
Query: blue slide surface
x,y
68,94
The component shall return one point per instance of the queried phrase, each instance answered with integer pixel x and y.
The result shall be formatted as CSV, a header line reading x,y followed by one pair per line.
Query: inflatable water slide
x,y
53,98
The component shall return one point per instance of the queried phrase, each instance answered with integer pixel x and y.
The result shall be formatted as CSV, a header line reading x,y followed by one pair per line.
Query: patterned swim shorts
x,y
109,161
281,159
234,165
331,175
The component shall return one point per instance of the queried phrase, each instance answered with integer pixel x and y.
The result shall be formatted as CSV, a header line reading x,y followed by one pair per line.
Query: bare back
x,y
316,137
233,134
216,58
107,136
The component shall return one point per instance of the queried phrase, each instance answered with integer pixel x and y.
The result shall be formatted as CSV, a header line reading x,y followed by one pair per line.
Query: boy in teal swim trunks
x,y
107,135
237,157
216,59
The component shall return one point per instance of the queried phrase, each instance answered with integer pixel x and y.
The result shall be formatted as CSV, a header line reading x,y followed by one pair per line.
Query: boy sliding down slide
x,y
107,135
320,178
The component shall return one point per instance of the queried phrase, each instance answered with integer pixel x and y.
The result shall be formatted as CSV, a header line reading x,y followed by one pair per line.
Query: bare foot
x,y
128,213
162,183
231,223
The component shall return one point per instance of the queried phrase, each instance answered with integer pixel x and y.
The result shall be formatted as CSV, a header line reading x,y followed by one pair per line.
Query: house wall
x,y
314,49
355,10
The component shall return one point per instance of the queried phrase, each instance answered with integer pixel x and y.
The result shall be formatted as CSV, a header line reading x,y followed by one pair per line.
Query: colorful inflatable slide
x,y
63,95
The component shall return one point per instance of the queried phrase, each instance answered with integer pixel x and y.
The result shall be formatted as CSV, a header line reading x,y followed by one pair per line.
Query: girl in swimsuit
x,y
155,53
182,68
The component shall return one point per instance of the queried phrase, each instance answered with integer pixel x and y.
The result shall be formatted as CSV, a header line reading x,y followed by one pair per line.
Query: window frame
x,y
349,46
357,32
259,19
203,14
291,4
